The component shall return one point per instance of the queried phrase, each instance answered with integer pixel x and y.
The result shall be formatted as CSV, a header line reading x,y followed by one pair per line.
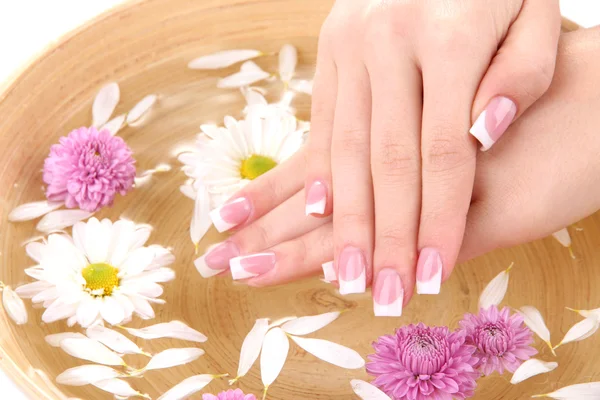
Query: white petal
x,y
173,329
274,353
88,310
495,290
14,306
306,325
112,311
32,289
249,66
55,339
563,237
288,59
59,310
160,275
61,219
114,125
366,391
534,321
91,350
98,237
253,97
137,261
333,353
142,307
35,251
105,103
172,357
162,257
187,387
595,313
29,211
140,237
223,59
251,346
532,367
86,374
139,111
122,235
281,321
301,86
580,331
119,387
113,340
581,391
242,78
201,221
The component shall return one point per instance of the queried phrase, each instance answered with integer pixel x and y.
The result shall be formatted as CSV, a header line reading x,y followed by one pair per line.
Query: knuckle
x,y
536,77
394,159
445,154
352,141
393,239
352,221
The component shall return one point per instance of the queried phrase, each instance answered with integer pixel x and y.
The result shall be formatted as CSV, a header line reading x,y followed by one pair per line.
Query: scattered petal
x,y
113,340
201,221
580,331
242,78
534,321
141,109
253,98
173,329
288,59
563,237
281,321
494,292
251,347
61,219
366,391
55,339
172,357
532,367
595,313
87,374
105,103
119,387
14,306
114,125
223,59
29,211
91,350
581,391
274,353
333,353
301,86
187,387
306,325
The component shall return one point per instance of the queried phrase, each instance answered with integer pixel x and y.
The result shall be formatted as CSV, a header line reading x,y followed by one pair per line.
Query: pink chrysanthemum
x,y
88,168
420,363
230,394
502,340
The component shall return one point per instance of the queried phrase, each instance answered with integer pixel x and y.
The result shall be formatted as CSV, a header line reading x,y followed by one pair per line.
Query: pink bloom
x,y
502,340
420,363
230,394
88,168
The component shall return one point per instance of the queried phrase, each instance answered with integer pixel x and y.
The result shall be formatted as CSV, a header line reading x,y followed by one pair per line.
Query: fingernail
x,y
329,272
493,121
231,214
245,267
216,259
352,270
316,198
429,271
388,294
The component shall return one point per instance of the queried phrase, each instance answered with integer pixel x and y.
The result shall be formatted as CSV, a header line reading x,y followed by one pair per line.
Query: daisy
x,y
103,272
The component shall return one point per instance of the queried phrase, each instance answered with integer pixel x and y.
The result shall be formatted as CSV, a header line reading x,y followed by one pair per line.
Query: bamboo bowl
x,y
145,46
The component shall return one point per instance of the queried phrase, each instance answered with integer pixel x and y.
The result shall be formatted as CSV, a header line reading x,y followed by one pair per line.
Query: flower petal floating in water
x,y
29,211
249,73
288,59
301,86
253,98
251,347
87,374
114,125
532,367
113,340
366,391
580,331
274,353
223,59
333,353
305,325
188,387
119,387
91,350
105,103
55,339
230,394
494,292
564,238
136,115
14,306
61,219
534,321
595,313
173,329
581,391
201,221
172,357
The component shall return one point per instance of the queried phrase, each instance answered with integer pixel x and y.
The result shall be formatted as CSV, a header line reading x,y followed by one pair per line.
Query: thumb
x,y
520,73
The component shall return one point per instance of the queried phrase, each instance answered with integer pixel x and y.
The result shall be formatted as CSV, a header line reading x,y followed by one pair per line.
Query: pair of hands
x,y
397,86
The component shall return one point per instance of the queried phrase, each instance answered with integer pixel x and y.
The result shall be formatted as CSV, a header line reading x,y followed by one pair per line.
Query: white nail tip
x,y
316,208
357,285
479,131
329,272
204,269
432,286
389,310
218,222
237,271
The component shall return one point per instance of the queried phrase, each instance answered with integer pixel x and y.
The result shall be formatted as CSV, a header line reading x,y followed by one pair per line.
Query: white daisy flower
x,y
103,272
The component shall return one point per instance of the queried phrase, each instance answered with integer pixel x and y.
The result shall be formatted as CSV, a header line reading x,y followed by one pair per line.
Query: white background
x,y
28,26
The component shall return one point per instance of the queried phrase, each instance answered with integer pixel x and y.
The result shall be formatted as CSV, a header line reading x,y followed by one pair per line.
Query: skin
x,y
544,175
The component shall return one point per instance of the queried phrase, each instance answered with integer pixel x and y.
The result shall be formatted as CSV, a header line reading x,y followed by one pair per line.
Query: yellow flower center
x,y
100,276
255,165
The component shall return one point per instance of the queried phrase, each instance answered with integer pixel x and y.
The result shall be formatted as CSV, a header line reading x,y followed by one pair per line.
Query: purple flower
x,y
502,340
420,362
230,394
88,168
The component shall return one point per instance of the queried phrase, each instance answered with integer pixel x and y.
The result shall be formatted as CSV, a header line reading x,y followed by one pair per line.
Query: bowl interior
x,y
145,46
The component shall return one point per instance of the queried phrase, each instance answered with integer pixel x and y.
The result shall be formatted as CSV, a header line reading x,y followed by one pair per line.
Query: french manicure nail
x,y
352,270
388,294
316,198
493,121
252,265
231,214
429,271
329,271
216,259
